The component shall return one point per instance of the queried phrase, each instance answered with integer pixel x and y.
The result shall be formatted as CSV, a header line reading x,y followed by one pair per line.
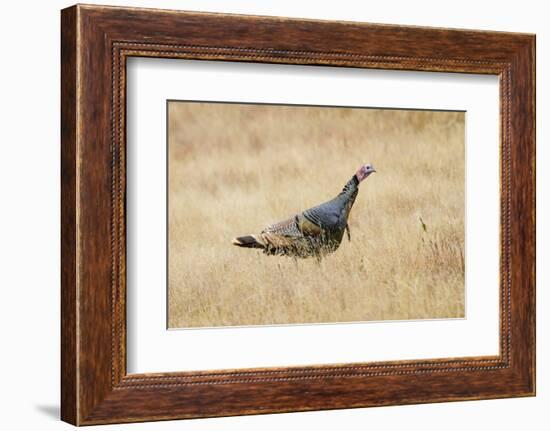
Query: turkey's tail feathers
x,y
249,241
274,244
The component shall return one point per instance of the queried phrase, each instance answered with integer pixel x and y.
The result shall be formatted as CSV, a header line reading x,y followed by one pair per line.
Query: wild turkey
x,y
314,232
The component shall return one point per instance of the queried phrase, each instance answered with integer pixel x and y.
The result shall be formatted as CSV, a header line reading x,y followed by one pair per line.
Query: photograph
x,y
304,214
297,214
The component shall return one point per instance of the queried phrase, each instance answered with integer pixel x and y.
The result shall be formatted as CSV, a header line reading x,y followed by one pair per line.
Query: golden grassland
x,y
234,169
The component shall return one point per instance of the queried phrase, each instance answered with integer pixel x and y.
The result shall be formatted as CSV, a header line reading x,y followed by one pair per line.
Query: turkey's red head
x,y
364,171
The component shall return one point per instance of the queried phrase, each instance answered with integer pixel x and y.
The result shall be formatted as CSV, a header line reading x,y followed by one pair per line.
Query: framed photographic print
x,y
266,215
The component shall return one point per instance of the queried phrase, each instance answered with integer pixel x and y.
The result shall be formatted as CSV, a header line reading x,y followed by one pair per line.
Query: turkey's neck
x,y
348,194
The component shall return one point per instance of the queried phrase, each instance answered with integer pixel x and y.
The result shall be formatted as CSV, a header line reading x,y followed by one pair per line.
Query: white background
x,y
151,348
29,216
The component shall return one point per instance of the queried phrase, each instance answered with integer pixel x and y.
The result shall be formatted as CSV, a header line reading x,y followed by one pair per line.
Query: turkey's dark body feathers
x,y
314,232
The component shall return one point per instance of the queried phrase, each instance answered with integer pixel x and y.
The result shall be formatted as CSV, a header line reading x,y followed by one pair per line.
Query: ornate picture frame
x,y
96,41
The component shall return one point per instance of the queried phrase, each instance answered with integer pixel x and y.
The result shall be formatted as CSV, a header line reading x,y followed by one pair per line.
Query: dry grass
x,y
234,169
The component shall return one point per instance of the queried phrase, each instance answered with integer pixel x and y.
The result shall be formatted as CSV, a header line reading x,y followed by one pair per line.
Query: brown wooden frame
x,y
95,43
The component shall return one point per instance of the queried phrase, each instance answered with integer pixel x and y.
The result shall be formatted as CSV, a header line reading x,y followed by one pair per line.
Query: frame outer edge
x,y
530,62
532,101
523,253
533,54
69,201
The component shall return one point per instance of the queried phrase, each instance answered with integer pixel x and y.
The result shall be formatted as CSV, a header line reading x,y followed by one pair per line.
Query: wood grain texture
x,y
69,366
96,41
